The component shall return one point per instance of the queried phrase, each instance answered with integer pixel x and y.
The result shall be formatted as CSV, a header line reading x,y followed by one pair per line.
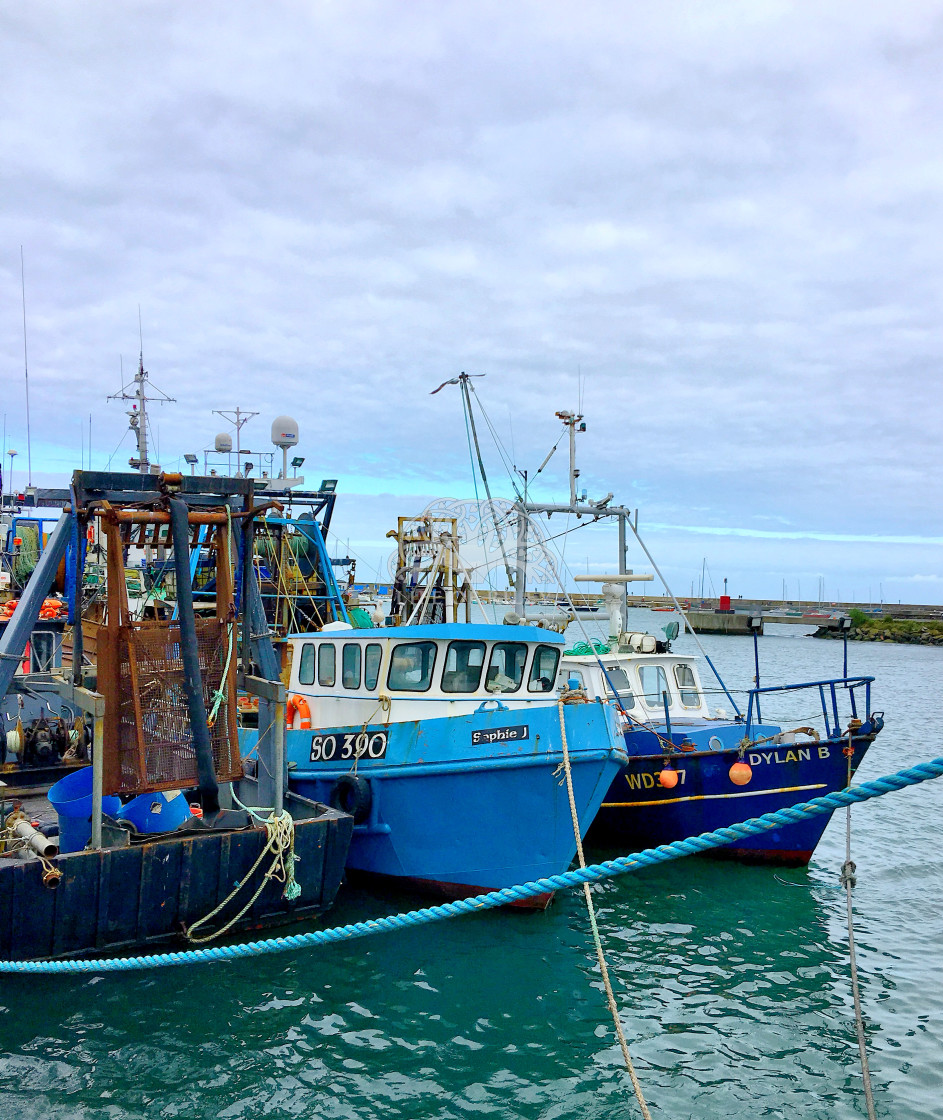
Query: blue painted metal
x,y
311,530
194,564
458,815
594,873
449,631
638,809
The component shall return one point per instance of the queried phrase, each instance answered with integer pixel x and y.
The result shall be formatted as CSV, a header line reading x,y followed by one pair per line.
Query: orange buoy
x,y
668,777
740,773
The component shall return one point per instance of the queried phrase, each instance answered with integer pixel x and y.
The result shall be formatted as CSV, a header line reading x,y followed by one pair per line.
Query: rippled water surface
x,y
732,982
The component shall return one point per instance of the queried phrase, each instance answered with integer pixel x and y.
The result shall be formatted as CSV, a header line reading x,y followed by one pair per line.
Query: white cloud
x,y
725,216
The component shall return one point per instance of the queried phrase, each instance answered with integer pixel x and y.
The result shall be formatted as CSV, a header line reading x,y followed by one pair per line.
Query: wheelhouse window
x,y
372,656
566,675
618,682
543,670
350,665
506,667
654,683
464,662
306,665
43,650
687,686
327,665
411,666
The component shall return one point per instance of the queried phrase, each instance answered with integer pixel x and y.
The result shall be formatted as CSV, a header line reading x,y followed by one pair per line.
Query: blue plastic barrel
x,y
71,797
157,812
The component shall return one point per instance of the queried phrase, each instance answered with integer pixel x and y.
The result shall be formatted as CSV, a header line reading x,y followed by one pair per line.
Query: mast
x,y
137,414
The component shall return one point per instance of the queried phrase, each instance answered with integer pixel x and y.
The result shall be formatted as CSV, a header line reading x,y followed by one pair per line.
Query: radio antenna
x,y
29,441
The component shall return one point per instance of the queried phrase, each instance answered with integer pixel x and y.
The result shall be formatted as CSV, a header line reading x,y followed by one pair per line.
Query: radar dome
x,y
223,443
284,432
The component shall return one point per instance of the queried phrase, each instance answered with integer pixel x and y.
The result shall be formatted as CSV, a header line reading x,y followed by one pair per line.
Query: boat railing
x,y
828,695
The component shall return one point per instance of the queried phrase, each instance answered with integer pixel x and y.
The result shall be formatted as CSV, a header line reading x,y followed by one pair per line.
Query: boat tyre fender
x,y
352,794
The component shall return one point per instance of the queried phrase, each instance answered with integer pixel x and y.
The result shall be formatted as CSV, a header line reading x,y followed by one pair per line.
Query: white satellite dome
x,y
223,443
284,432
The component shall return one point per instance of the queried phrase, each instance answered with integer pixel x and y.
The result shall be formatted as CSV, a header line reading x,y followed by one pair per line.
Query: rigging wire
x,y
470,421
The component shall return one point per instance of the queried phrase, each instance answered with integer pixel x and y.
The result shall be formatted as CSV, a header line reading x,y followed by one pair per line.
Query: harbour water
x,y
733,982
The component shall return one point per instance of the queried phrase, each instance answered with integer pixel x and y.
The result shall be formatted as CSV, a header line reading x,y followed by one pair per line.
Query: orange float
x,y
740,773
668,777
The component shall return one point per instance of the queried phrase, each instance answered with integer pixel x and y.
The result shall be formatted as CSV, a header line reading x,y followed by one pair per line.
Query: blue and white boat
x,y
691,770
445,743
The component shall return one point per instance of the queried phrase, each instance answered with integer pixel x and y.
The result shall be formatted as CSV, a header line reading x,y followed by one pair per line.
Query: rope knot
x,y
848,870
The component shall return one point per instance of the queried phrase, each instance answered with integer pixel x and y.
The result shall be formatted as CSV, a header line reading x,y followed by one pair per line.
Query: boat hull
x,y
450,817
141,896
638,812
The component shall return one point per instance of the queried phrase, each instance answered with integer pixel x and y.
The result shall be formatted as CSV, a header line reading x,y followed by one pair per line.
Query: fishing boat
x,y
444,741
162,837
692,770
443,738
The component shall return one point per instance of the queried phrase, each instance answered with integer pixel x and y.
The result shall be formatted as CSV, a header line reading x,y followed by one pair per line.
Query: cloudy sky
x,y
718,222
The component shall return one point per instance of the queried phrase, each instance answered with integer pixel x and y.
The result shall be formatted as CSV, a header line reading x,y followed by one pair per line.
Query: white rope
x,y
571,698
848,881
281,842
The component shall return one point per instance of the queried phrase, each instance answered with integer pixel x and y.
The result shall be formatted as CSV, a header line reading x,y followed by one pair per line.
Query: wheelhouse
x,y
447,662
641,682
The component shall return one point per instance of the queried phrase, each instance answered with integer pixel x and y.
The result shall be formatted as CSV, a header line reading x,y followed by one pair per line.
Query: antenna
x,y
29,442
138,412
238,418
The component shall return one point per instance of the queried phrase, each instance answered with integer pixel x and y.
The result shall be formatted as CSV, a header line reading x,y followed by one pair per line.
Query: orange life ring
x,y
300,705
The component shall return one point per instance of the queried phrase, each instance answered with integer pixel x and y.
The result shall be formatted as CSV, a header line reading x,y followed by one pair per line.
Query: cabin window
x,y
371,665
506,667
544,669
306,666
463,664
687,686
616,679
350,665
654,683
575,674
327,665
411,666
43,650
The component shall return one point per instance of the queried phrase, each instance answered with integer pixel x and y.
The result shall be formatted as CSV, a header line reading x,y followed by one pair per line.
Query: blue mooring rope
x,y
912,776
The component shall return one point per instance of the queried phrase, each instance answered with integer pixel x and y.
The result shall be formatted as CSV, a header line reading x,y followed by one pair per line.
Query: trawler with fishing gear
x,y
444,738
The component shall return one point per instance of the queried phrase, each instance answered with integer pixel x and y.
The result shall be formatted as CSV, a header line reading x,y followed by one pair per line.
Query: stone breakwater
x,y
907,631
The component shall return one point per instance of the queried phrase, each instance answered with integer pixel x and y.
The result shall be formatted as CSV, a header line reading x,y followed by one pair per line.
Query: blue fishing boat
x,y
445,743
692,770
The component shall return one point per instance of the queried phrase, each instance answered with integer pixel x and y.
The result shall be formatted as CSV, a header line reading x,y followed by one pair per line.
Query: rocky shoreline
x,y
920,632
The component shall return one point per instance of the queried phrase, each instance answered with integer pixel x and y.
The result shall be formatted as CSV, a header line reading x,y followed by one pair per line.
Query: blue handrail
x,y
847,683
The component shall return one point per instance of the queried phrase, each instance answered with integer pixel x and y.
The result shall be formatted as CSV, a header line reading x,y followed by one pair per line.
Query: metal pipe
x,y
98,777
278,758
192,680
40,844
159,517
623,570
